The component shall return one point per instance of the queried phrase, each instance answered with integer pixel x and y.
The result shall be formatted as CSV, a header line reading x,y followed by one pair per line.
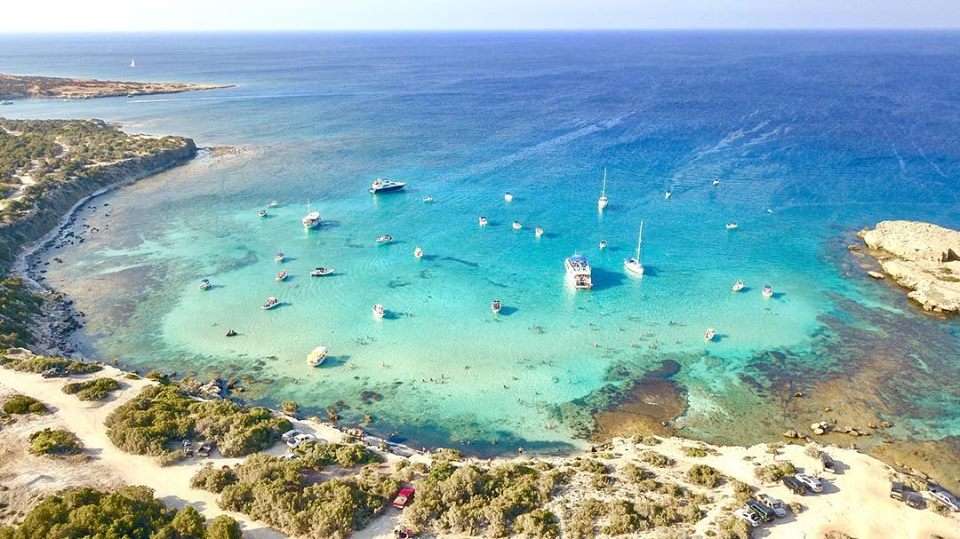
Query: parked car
x,y
898,490
828,463
945,499
55,372
303,438
404,497
811,482
746,516
795,486
763,512
775,505
289,435
914,499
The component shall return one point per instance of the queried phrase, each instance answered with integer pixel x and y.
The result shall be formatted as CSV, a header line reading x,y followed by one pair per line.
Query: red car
x,y
403,497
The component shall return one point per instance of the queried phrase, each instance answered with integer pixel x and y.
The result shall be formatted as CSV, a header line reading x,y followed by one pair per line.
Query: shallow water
x,y
813,136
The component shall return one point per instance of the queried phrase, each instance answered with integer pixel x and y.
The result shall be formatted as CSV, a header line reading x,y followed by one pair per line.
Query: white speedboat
x,y
667,195
495,306
716,182
270,303
279,257
732,226
273,204
710,335
384,239
633,265
378,311
281,276
516,225
384,185
311,219
737,286
205,284
603,244
482,220
508,196
418,253
603,200
579,272
427,199
321,271
261,213
538,232
317,356
767,291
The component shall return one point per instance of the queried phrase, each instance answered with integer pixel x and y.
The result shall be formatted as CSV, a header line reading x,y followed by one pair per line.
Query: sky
x,y
280,15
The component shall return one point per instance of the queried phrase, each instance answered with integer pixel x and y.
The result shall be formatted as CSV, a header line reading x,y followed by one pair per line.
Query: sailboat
x,y
603,200
633,265
133,63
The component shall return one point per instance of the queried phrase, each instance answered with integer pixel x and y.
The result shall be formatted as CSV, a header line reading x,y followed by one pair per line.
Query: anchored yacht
x,y
603,200
311,219
633,265
384,185
579,272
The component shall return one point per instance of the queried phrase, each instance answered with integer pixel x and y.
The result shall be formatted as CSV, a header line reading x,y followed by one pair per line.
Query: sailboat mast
x,y
603,190
639,241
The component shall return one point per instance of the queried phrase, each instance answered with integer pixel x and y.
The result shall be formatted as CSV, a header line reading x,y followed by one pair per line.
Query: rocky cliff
x,y
922,257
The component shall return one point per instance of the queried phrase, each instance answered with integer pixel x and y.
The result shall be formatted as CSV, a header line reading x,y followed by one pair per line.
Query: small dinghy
x,y
279,258
317,356
767,291
508,196
732,226
378,311
231,333
418,253
538,232
737,286
321,271
495,306
427,199
482,221
517,225
281,276
667,195
603,244
716,182
384,239
205,284
261,213
273,204
270,303
710,335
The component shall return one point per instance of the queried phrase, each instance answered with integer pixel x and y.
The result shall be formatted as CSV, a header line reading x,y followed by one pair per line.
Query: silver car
x,y
747,516
813,483
945,499
774,504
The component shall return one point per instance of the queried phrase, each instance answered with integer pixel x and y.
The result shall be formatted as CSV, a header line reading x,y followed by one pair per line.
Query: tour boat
x,y
603,200
710,335
538,232
321,271
384,185
767,291
270,303
427,199
281,276
311,219
633,265
737,286
205,284
495,306
508,196
579,272
317,356
279,257
482,221
716,182
386,238
603,244
667,195
517,225
418,253
732,226
378,311
261,213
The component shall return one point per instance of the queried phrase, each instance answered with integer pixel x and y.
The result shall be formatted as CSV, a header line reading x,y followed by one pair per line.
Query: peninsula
x,y
30,86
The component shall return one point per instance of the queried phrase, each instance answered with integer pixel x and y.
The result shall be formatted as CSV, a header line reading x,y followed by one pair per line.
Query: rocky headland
x,y
30,86
921,257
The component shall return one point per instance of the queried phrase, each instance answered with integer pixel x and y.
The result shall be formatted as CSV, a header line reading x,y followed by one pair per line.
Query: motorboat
x,y
716,182
495,306
737,286
321,271
205,284
767,291
710,335
516,225
270,303
317,356
386,238
7,102
603,200
378,311
579,272
418,253
482,220
384,185
508,196
273,204
261,213
133,63
427,199
281,276
732,226
279,257
603,244
538,232
633,265
667,194
311,219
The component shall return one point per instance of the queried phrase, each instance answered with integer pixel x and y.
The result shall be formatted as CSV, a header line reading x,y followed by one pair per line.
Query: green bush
x,y
129,512
698,451
774,472
656,459
92,390
23,404
54,442
707,476
539,523
318,455
213,479
38,364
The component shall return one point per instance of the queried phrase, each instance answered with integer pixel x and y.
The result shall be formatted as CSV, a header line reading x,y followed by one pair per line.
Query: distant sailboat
x,y
633,265
133,63
603,200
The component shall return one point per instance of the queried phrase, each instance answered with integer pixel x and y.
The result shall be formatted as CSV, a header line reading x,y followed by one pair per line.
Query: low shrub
x,y
656,459
733,528
92,390
697,451
54,442
774,472
39,364
703,475
24,404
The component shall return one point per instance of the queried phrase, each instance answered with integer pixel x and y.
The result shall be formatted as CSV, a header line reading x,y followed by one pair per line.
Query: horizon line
x,y
489,30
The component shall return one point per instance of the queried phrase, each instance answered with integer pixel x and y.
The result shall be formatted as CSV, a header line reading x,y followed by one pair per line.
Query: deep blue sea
x,y
813,136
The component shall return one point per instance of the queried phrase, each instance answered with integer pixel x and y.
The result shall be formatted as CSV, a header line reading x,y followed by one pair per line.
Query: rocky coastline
x,y
30,86
922,257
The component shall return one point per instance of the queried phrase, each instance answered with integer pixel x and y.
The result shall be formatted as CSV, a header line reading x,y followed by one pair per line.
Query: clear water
x,y
813,136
